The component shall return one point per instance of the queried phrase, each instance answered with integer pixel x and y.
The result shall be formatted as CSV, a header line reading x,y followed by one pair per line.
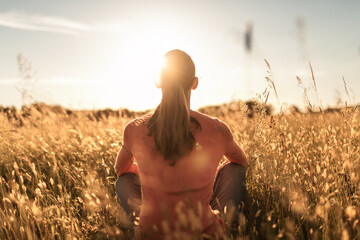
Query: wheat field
x,y
57,176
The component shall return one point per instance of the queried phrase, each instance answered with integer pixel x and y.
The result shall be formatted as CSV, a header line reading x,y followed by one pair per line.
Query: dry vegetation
x,y
57,177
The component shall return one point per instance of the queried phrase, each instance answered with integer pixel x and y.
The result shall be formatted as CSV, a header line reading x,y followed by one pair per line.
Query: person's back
x,y
177,155
189,181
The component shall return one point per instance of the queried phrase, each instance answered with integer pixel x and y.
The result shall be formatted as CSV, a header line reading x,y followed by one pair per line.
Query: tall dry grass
x,y
57,177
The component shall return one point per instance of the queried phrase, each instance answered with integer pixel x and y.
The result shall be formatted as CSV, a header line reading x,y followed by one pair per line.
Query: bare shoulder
x,y
137,123
202,116
212,122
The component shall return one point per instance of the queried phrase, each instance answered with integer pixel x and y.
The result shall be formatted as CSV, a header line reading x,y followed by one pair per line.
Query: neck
x,y
188,96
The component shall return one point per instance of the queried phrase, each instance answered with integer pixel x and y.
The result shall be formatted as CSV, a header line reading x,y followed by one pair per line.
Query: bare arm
x,y
232,150
235,154
125,160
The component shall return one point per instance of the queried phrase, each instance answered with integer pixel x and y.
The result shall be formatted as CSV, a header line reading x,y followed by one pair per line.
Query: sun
x,y
139,59
140,65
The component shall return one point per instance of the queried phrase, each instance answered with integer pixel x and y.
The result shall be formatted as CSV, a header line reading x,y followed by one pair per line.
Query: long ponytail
x,y
170,123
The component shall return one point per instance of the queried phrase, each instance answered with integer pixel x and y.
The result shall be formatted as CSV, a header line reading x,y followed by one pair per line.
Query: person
x,y
169,159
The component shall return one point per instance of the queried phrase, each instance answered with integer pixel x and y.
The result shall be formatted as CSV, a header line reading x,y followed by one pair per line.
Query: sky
x,y
88,54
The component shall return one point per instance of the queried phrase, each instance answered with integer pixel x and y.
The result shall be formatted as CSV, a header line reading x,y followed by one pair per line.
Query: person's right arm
x,y
125,159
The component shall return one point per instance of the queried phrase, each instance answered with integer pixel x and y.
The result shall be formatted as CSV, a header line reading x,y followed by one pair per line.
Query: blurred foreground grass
x,y
57,177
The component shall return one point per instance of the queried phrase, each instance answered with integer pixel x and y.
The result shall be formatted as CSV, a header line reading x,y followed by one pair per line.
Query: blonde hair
x,y
170,123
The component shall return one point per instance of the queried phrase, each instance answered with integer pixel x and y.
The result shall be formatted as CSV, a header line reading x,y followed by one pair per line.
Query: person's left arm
x,y
232,151
125,159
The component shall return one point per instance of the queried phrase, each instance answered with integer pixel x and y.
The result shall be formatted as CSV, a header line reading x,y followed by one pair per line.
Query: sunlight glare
x,y
141,63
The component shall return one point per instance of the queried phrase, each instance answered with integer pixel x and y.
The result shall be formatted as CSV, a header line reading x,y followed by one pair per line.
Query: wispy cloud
x,y
8,81
52,81
54,24
303,71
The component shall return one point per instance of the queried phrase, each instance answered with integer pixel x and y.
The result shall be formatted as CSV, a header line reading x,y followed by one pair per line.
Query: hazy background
x,y
97,54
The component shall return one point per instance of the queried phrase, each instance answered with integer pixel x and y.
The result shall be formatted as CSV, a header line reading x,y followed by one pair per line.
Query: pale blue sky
x,y
97,54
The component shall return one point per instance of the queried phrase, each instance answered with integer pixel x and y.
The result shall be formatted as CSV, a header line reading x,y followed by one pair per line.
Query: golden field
x,y
57,176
